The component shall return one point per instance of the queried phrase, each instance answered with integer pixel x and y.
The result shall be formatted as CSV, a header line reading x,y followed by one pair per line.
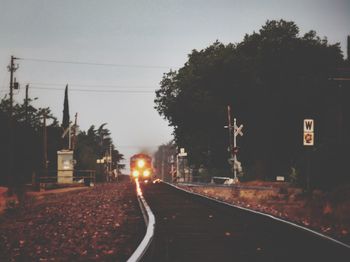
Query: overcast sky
x,y
140,40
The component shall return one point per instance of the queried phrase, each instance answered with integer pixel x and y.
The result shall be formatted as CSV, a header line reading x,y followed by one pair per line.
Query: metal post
x,y
70,137
234,146
308,177
45,146
177,166
162,167
75,131
172,168
230,131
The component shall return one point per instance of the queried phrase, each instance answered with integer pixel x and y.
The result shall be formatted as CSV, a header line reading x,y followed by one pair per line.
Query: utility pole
x,y
45,146
12,68
26,103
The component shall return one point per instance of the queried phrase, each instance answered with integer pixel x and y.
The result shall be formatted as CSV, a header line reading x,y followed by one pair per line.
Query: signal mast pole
x,y
235,131
230,126
234,148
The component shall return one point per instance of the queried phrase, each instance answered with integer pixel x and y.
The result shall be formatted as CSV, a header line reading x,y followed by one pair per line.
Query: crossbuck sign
x,y
238,130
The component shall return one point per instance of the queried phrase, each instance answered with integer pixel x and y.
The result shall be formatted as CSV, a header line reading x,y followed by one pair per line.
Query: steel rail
x,y
150,223
263,214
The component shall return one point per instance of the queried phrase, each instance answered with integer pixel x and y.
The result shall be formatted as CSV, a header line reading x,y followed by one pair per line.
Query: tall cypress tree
x,y
65,120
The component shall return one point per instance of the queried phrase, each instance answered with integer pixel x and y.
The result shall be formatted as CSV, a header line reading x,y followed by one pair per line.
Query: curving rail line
x,y
264,214
192,227
150,222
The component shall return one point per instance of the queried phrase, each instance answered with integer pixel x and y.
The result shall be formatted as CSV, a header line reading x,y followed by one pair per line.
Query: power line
x,y
135,146
88,85
93,63
95,90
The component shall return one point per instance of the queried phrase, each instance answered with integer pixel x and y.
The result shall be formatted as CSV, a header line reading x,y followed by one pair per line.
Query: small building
x,y
65,167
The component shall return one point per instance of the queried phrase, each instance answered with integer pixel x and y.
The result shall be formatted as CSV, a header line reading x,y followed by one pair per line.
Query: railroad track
x,y
192,228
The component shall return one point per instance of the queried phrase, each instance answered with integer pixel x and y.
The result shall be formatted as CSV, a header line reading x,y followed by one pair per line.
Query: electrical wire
x,y
95,90
136,146
91,63
87,85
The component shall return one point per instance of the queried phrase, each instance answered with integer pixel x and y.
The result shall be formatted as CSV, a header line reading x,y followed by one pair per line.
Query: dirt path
x,y
101,223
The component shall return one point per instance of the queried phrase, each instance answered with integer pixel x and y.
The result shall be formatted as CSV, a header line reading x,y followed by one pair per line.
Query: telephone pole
x,y
26,103
12,68
45,146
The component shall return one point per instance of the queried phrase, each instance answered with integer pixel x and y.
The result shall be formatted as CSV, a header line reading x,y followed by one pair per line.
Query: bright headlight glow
x,y
146,173
141,163
135,173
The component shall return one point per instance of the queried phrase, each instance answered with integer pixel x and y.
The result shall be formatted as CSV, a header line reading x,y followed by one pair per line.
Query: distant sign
x,y
182,152
309,136
309,139
238,130
308,125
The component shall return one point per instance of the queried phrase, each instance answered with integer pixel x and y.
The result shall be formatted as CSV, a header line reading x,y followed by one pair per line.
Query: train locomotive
x,y
141,168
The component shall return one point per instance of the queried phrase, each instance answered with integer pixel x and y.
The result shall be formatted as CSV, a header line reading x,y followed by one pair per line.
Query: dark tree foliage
x,y
65,120
273,79
28,140
94,144
28,143
163,159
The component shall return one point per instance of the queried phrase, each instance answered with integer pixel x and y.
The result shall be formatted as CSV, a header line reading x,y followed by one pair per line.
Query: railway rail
x,y
190,227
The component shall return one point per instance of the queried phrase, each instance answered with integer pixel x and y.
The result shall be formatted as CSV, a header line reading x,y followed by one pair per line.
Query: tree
x,y
28,130
95,144
162,161
28,143
65,119
273,79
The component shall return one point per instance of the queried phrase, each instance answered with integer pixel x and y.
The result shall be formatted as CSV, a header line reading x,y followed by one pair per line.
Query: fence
x,y
51,177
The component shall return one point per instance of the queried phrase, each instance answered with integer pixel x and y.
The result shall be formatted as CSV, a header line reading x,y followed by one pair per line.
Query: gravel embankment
x,y
100,223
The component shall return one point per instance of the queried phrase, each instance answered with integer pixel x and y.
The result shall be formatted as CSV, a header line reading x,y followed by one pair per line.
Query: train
x,y
141,168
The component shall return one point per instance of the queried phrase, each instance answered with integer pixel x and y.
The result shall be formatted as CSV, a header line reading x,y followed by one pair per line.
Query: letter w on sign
x,y
308,125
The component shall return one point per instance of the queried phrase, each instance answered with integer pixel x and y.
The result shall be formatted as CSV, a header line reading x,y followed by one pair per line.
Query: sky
x,y
123,48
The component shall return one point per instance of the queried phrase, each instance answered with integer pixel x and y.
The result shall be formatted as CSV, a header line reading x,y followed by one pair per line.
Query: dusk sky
x,y
134,42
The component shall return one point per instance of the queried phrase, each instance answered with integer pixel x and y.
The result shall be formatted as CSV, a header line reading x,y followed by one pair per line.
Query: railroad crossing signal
x,y
238,130
309,136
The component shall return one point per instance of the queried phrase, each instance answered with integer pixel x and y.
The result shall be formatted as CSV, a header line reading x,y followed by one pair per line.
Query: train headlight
x,y
146,173
135,173
141,163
